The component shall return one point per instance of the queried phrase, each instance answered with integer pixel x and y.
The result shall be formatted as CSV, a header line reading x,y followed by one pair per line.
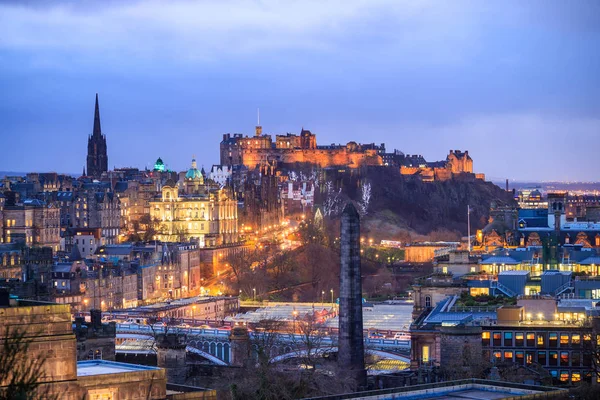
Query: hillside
x,y
405,208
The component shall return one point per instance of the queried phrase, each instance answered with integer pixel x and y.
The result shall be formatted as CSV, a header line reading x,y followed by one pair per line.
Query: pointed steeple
x,y
97,131
83,174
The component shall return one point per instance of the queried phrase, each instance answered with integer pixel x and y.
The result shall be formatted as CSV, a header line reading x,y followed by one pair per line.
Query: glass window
x,y
497,339
541,339
529,357
497,355
519,339
553,339
576,340
425,354
587,359
575,359
508,339
508,356
576,376
564,358
530,339
564,340
485,338
553,359
541,358
564,376
520,357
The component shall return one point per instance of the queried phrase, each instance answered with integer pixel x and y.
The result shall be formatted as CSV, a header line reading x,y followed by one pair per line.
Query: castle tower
x,y
97,158
351,353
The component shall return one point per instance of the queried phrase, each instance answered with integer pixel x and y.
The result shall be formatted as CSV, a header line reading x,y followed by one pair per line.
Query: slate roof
x,y
499,260
591,260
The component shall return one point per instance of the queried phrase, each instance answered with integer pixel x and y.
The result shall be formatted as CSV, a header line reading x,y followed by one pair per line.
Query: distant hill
x,y
11,173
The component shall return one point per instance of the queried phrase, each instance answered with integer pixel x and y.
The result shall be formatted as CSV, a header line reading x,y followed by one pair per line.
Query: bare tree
x,y
333,200
365,198
240,262
311,341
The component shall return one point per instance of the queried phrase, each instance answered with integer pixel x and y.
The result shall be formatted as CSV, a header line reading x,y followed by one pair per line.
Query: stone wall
x,y
460,345
50,330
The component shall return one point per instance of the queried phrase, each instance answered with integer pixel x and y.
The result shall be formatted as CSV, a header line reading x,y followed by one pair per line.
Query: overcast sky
x,y
517,83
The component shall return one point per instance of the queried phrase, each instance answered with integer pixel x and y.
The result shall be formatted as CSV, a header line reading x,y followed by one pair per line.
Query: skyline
x,y
514,84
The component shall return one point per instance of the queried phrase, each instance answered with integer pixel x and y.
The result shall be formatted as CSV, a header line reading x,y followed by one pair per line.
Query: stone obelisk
x,y
351,353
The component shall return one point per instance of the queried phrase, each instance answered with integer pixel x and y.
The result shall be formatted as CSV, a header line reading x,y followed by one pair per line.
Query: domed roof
x,y
193,173
159,165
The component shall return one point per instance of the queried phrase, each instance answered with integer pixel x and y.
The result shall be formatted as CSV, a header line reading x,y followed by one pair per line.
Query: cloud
x,y
519,146
208,30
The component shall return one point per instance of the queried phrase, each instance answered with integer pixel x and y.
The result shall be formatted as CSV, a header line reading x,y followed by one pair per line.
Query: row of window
x,y
544,358
535,339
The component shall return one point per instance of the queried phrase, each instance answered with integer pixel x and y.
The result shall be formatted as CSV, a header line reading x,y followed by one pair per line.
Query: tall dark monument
x,y
97,159
351,352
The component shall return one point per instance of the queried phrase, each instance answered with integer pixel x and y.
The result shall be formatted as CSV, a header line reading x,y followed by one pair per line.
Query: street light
x,y
253,294
194,315
295,314
331,297
322,295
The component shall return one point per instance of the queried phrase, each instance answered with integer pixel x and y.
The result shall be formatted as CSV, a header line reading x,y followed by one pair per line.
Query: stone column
x,y
171,355
351,353
239,340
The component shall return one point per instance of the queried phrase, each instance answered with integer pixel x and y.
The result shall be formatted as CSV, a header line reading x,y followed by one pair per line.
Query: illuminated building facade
x,y
202,212
238,149
33,222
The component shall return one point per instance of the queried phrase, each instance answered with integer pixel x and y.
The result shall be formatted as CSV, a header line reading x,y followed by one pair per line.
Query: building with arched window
x,y
195,210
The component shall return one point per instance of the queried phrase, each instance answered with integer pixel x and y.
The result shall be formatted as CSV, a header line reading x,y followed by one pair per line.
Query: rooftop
x,y
462,389
102,367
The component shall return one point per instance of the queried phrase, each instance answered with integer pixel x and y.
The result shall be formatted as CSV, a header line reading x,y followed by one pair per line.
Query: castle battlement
x,y
289,148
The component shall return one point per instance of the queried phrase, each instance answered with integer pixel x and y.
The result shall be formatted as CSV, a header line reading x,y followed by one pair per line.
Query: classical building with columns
x,y
193,209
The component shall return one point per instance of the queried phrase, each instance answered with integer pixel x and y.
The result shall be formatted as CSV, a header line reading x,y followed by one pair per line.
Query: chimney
x,y
507,184
96,316
4,298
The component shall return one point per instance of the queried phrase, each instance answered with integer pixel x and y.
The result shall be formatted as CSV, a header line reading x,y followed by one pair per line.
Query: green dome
x,y
193,173
159,165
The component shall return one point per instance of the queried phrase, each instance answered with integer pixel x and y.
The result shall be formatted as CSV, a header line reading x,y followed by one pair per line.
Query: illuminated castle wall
x,y
238,149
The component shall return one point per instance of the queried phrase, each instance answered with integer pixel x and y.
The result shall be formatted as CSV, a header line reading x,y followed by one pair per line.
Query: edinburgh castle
x,y
238,149
252,151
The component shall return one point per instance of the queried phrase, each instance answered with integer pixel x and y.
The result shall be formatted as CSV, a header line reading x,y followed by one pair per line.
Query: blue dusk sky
x,y
517,83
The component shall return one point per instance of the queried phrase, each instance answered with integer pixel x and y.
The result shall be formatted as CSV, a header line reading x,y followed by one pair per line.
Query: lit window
x,y
530,339
564,339
485,337
540,340
564,358
519,339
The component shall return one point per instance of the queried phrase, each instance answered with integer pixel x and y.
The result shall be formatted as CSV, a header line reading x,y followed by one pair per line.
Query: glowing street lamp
x,y
253,294
322,295
295,314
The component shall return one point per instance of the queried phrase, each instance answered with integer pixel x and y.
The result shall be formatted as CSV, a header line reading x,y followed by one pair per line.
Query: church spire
x,y
97,131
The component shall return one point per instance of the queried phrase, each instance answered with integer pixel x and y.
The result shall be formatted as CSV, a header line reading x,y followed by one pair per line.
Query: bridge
x,y
214,345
